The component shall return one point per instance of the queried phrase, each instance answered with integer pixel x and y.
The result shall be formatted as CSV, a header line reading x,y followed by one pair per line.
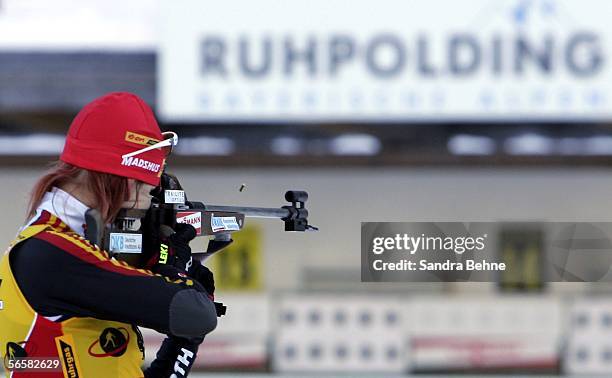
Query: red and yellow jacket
x,y
67,299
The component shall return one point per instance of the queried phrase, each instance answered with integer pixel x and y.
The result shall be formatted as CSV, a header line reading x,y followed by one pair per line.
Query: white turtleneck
x,y
64,206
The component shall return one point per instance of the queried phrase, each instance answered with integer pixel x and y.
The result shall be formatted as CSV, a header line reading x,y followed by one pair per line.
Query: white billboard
x,y
385,60
77,25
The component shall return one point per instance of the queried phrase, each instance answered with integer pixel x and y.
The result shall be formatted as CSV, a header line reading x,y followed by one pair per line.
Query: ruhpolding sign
x,y
386,60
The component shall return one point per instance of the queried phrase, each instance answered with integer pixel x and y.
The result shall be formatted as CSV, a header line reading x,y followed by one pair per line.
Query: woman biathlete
x,y
67,304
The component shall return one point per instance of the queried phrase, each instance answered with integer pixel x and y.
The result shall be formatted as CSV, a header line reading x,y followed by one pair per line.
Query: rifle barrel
x,y
252,212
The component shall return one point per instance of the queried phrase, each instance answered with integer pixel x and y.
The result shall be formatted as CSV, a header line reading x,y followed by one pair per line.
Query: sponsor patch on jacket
x,y
139,139
112,342
70,364
140,163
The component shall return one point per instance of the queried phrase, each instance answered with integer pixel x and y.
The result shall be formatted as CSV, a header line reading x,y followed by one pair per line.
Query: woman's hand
x,y
176,258
179,251
204,276
174,251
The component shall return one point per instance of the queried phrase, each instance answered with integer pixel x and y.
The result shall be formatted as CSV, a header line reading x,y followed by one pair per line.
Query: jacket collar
x,y
64,206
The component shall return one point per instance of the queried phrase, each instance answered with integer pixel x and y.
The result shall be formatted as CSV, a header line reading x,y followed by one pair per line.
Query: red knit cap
x,y
110,127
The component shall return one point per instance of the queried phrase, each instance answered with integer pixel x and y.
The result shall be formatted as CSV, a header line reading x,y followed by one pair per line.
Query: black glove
x,y
174,261
174,250
204,276
179,252
174,358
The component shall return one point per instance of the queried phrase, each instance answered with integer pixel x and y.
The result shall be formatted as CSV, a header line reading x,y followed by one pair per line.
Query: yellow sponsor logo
x,y
241,266
140,139
163,254
70,363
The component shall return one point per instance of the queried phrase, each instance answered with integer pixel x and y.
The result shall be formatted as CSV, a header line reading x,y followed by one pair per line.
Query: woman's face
x,y
140,195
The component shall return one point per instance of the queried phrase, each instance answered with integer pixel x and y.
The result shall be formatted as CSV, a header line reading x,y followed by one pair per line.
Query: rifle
x,y
136,233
